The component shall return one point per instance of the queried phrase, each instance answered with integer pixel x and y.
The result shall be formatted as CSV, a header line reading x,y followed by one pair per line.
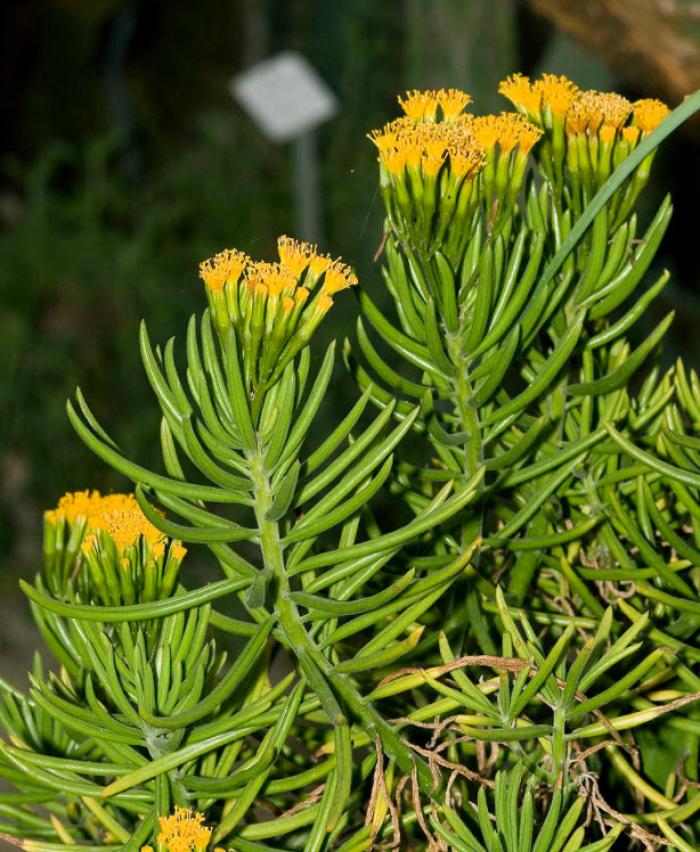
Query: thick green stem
x,y
302,646
469,420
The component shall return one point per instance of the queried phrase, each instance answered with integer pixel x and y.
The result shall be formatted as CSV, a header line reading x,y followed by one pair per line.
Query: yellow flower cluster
x,y
508,130
405,143
299,269
106,547
589,111
602,113
552,92
649,113
557,93
523,94
267,302
226,266
423,105
587,132
438,164
183,831
119,515
419,142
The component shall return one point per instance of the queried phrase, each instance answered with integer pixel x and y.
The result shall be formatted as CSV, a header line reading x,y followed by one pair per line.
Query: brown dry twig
x,y
313,797
379,786
511,664
435,759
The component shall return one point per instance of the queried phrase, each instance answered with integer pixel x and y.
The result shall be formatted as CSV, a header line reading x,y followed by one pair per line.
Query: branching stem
x,y
300,644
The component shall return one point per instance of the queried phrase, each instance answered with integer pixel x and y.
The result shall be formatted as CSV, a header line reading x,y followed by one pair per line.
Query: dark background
x,y
124,162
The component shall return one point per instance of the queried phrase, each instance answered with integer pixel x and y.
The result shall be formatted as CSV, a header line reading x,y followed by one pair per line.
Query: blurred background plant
x,y
125,162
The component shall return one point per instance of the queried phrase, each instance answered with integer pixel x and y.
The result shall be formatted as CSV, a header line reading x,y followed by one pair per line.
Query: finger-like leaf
x,y
222,532
353,451
625,283
353,607
314,525
134,612
141,474
435,342
413,352
386,373
620,376
156,377
285,494
223,689
285,411
364,468
305,418
237,395
441,510
616,329
547,374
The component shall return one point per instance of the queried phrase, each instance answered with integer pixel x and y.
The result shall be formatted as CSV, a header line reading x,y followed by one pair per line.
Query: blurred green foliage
x,y
109,226
80,268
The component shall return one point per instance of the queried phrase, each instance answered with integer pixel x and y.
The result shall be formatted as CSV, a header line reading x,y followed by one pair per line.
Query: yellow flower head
x,y
225,266
386,137
432,163
649,113
631,134
521,93
615,109
338,276
393,160
324,303
461,124
486,130
259,270
295,255
282,282
433,138
424,144
406,143
606,109
592,111
119,515
184,831
452,102
411,142
557,93
528,134
301,294
268,308
420,106
318,264
578,115
509,130
607,133
466,159
270,279
177,551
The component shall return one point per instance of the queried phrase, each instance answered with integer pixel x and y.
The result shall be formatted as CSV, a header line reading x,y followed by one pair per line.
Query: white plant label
x,y
284,96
